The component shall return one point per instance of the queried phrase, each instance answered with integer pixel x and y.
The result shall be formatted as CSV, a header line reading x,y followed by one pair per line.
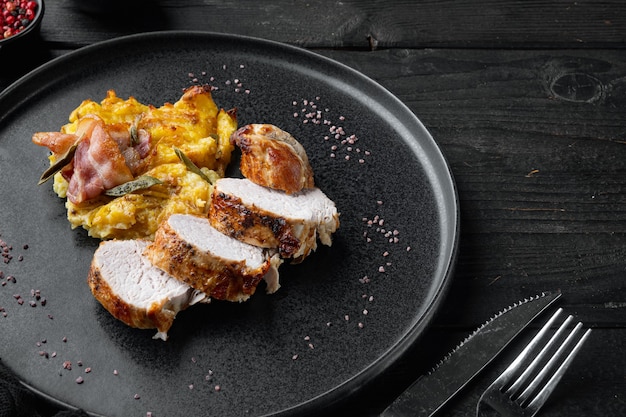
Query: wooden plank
x,y
356,24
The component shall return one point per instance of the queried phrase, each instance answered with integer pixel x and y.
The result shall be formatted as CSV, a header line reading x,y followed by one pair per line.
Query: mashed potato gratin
x,y
193,125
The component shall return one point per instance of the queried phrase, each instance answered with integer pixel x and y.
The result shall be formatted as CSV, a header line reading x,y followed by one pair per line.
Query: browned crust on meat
x,y
232,281
155,317
268,159
231,216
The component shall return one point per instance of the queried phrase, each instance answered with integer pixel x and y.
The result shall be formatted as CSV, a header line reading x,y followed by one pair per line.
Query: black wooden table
x,y
528,103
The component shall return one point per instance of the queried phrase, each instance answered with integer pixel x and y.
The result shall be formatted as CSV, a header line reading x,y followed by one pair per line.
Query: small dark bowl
x,y
25,36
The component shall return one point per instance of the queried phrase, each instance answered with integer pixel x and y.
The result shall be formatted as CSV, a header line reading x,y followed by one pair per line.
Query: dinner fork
x,y
521,392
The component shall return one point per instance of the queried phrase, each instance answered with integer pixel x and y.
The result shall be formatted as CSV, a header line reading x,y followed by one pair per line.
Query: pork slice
x,y
273,158
134,291
190,249
269,218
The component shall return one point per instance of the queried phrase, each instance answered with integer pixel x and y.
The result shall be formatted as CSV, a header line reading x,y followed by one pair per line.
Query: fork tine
x,y
523,378
524,354
532,387
545,392
544,372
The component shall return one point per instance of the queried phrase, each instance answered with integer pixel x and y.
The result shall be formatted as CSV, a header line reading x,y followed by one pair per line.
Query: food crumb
x,y
136,396
80,380
218,388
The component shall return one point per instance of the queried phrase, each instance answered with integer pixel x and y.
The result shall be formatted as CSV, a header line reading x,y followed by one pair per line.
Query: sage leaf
x,y
59,164
191,166
134,131
139,183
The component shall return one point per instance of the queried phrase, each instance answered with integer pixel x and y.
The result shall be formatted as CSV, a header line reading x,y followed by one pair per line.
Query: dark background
x,y
527,101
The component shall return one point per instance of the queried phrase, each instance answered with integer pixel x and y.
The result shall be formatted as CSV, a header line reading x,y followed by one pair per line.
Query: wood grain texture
x,y
354,23
527,100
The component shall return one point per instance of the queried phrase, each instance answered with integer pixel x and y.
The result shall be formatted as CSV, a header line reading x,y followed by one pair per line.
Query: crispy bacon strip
x,y
57,142
98,163
105,156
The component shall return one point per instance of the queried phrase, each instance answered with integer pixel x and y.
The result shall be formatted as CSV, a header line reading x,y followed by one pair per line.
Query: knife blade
x,y
432,391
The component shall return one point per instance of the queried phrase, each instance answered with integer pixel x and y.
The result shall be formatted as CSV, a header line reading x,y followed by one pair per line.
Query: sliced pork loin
x,y
190,249
270,218
134,291
273,158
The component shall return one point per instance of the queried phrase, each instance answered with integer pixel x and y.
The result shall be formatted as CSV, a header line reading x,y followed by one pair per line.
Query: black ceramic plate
x,y
341,318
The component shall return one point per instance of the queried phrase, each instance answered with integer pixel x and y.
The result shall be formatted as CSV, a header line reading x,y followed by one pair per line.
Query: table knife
x,y
432,391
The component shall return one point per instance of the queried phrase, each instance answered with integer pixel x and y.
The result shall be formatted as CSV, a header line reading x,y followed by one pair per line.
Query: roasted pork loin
x,y
134,291
268,218
190,249
273,158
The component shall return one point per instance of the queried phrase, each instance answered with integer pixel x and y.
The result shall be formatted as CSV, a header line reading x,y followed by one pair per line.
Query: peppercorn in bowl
x,y
20,20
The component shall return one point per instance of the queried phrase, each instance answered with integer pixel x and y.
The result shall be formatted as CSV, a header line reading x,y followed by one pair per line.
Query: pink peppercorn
x,y
15,16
